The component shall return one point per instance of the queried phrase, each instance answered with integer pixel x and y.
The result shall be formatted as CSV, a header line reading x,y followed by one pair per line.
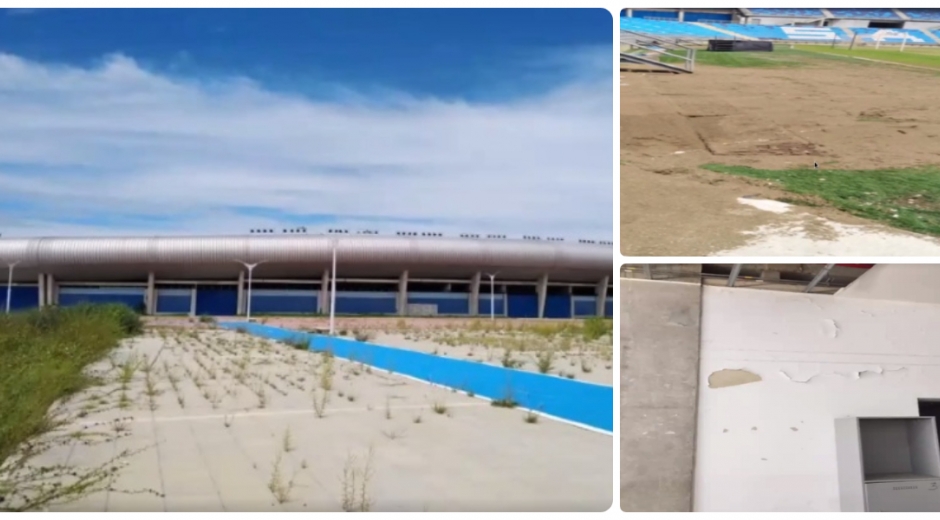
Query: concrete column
x,y
323,302
192,300
403,294
659,376
150,299
52,296
543,294
42,290
601,292
242,305
475,294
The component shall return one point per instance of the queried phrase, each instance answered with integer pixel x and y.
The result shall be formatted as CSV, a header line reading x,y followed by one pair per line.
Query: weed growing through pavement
x,y
357,475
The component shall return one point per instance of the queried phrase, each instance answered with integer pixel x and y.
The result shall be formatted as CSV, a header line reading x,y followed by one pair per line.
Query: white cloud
x,y
121,140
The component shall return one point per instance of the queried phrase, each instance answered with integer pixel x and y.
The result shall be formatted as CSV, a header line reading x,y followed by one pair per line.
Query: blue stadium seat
x,y
787,12
864,14
915,36
671,29
924,15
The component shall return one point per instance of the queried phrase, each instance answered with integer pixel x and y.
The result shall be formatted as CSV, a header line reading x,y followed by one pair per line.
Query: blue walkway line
x,y
580,402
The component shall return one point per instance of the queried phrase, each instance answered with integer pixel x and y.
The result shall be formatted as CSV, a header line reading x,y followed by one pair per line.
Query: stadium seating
x,y
870,35
670,29
924,15
864,14
787,12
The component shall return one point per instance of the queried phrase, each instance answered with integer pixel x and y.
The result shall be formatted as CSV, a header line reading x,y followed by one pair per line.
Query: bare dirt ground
x,y
191,419
838,114
530,345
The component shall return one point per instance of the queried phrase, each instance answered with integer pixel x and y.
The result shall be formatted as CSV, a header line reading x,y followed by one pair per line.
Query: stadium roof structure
x,y
303,256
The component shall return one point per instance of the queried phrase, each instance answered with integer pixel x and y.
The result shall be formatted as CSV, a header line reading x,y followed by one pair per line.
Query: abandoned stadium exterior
x,y
388,275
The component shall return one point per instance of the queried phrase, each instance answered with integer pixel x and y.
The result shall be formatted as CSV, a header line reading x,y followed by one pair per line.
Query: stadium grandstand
x,y
408,274
798,25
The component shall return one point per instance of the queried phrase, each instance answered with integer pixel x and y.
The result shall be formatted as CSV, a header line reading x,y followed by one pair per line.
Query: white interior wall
x,y
769,445
898,282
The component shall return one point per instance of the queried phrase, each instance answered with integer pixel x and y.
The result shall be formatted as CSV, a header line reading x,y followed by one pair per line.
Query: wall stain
x,y
731,377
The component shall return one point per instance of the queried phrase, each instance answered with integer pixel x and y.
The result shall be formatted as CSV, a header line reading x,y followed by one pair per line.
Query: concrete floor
x,y
213,443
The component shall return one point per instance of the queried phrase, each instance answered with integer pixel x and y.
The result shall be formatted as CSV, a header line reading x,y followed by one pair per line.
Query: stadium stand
x,y
923,15
893,35
864,14
670,29
787,12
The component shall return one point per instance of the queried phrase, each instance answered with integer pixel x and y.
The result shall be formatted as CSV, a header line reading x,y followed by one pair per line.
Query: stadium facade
x,y
375,275
911,26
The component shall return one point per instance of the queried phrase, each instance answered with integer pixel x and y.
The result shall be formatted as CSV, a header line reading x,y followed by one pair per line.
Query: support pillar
x,y
403,294
52,296
475,294
150,299
543,294
323,302
601,292
242,304
192,300
42,290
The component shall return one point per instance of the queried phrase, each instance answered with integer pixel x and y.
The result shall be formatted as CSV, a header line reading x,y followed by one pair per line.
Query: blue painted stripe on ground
x,y
576,401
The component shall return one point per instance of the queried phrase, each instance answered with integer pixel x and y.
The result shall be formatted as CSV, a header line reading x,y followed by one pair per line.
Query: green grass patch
x,y
928,58
43,354
778,58
906,198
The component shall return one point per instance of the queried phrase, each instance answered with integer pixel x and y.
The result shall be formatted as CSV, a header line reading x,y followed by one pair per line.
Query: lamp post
x,y
251,268
333,292
10,285
492,295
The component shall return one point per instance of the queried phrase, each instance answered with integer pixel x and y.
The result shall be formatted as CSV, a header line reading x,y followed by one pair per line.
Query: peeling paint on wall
x,y
831,328
731,377
857,374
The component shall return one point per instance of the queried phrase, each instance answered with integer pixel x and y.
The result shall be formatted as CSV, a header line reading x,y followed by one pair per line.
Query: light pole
x,y
333,292
492,295
10,285
251,268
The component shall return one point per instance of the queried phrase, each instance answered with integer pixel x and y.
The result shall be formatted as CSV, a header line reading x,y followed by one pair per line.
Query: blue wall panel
x,y
577,401
447,303
24,297
609,308
523,306
706,17
483,306
173,301
284,301
133,297
217,300
366,303
558,306
585,307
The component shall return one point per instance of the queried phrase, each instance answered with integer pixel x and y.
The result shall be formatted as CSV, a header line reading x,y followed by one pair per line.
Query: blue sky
x,y
165,121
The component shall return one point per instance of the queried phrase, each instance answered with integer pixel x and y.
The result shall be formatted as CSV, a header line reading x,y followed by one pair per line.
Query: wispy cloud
x,y
118,149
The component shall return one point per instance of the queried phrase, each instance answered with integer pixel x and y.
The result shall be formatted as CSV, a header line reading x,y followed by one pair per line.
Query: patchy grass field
x,y
196,419
921,57
906,198
778,58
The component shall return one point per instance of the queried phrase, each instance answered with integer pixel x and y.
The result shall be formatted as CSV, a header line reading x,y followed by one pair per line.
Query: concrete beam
x,y
402,304
150,298
323,303
475,294
601,292
543,294
242,304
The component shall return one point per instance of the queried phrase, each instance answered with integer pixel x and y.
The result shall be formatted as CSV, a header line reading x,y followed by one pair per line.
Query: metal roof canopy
x,y
302,256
